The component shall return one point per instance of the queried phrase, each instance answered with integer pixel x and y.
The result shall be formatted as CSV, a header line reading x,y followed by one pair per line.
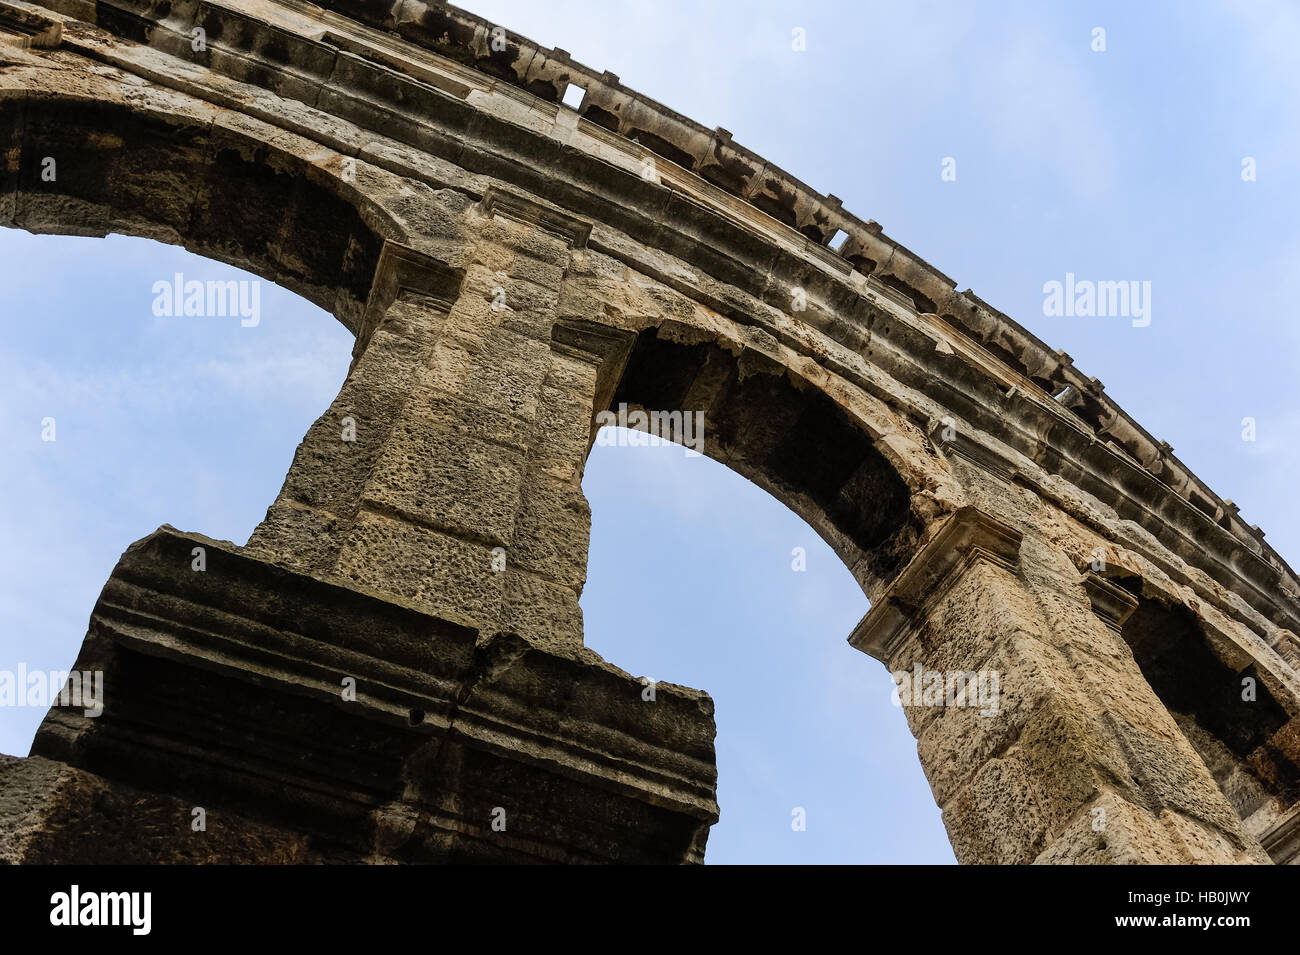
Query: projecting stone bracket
x,y
968,536
1287,646
604,347
951,439
1111,602
352,727
501,203
1282,840
404,269
28,30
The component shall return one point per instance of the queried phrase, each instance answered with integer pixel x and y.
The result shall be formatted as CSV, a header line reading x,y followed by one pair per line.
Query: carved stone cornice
x,y
514,207
591,341
232,681
404,269
968,536
27,30
1111,602
1287,647
952,440
1282,841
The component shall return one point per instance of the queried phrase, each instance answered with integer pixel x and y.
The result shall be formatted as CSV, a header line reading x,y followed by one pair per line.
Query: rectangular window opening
x,y
574,95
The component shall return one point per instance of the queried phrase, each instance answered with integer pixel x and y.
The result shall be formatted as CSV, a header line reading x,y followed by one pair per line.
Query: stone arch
x,y
1237,709
525,263
796,444
230,192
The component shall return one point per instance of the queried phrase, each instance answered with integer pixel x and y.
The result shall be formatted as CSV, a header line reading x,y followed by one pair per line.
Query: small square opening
x,y
574,95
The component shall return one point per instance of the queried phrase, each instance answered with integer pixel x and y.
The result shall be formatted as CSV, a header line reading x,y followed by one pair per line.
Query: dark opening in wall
x,y
601,117
923,304
663,148
220,194
1246,743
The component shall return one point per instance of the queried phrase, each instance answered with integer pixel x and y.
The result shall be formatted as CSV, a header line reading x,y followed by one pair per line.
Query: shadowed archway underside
x,y
795,444
179,179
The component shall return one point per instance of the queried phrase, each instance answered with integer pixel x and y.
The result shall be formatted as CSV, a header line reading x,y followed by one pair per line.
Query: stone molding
x,y
512,206
976,452
402,268
969,535
1287,646
1282,840
27,30
1111,602
604,347
232,677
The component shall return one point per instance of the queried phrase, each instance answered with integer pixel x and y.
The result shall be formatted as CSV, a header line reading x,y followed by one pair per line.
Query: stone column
x,y
398,650
1059,751
448,471
322,494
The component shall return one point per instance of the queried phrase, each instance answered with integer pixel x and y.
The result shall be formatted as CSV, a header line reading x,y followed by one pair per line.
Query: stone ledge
x,y
968,535
224,687
1282,840
1111,602
27,30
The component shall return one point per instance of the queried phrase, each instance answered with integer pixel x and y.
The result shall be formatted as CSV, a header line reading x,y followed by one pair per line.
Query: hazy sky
x,y
1116,165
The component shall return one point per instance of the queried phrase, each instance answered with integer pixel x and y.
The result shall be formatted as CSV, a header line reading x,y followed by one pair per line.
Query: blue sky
x,y
1122,165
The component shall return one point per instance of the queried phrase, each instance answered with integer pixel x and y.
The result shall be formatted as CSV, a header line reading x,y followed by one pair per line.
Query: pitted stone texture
x,y
509,273
1112,831
1013,782
236,674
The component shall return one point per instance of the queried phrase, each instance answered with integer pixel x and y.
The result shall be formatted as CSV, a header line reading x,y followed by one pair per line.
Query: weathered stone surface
x,y
510,271
239,677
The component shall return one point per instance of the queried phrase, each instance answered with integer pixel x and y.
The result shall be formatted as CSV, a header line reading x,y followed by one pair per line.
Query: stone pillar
x,y
547,560
448,471
392,670
321,499
1066,755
